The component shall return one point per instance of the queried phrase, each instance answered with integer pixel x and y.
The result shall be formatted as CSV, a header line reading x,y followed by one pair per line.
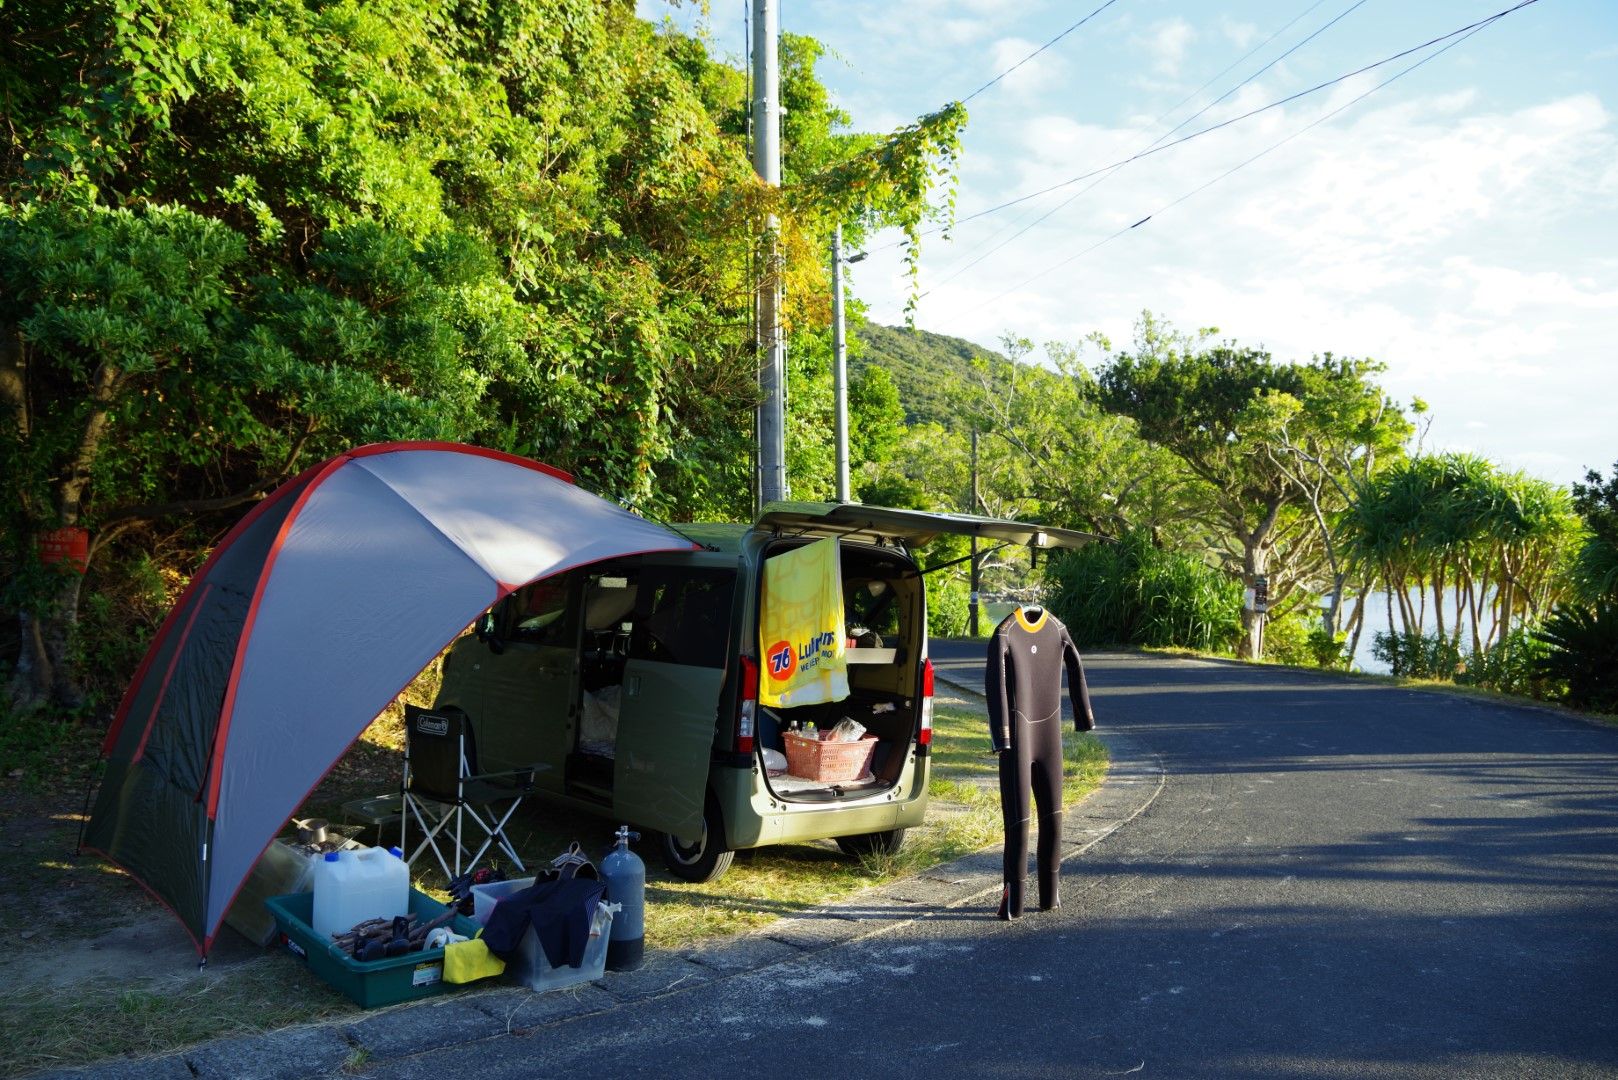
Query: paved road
x,y
1334,880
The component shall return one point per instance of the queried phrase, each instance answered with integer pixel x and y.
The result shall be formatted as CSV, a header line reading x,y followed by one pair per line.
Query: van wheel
x,y
877,843
704,860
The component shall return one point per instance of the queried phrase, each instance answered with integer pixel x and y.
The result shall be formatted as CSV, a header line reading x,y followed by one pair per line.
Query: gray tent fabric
x,y
312,615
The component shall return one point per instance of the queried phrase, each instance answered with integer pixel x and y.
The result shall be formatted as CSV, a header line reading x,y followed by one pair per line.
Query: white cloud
x,y
1504,290
1167,43
1030,76
960,31
1241,34
1460,226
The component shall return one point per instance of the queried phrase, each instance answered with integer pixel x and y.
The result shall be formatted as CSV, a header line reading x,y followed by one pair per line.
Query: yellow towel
x,y
801,634
469,961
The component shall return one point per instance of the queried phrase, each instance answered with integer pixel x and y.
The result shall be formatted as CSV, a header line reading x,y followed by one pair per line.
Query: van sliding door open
x,y
672,683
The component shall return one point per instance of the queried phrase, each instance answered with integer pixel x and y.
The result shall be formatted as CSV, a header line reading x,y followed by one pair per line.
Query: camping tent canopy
x,y
312,615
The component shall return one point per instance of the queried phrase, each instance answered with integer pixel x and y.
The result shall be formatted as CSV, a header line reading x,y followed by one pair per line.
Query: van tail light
x,y
749,706
925,736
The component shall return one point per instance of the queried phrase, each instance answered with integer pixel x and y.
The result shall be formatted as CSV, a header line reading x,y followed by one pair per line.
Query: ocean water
x,y
1376,620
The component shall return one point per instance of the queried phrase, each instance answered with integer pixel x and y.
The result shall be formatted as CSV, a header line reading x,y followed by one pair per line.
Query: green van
x,y
635,681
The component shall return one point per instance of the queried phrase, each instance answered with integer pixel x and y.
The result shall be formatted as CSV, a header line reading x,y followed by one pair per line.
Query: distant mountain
x,y
922,365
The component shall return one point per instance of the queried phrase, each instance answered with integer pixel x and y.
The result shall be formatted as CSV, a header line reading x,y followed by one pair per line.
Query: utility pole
x,y
977,573
772,371
839,368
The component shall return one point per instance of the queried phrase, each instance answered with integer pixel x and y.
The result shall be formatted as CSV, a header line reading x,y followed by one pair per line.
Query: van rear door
x,y
878,524
672,682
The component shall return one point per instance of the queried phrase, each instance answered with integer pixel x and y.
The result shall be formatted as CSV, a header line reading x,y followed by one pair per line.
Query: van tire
x,y
708,858
877,843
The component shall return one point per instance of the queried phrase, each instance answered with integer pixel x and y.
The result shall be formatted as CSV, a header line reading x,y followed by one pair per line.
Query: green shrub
x,y
1582,652
948,606
1417,656
1286,640
35,744
1327,650
1131,593
1511,666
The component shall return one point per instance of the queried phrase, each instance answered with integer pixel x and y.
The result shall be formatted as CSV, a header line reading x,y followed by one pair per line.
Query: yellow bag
x,y
802,641
469,961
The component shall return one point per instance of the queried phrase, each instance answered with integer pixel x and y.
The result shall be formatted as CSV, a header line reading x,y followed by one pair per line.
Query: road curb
x,y
1134,779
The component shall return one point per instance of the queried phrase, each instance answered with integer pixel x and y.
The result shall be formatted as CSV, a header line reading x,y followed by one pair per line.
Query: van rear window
x,y
683,616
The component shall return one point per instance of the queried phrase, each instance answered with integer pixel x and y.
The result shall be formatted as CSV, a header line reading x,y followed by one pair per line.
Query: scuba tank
x,y
625,876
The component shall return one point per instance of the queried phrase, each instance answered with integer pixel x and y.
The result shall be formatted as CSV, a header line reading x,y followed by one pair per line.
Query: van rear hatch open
x,y
885,603
881,524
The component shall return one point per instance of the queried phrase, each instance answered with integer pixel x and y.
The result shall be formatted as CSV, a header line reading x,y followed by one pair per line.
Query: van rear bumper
x,y
756,818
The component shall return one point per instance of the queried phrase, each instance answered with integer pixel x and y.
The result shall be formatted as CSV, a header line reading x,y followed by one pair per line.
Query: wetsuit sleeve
x,y
1084,718
994,688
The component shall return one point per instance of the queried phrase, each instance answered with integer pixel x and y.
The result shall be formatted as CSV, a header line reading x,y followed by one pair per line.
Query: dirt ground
x,y
76,918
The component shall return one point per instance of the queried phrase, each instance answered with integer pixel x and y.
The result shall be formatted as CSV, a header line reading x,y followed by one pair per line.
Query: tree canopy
x,y
1241,422
239,238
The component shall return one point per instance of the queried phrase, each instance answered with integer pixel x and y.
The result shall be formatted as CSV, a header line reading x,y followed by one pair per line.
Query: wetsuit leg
x,y
1014,808
1046,779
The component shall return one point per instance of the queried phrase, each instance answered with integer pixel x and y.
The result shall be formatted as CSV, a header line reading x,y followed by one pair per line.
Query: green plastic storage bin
x,y
379,982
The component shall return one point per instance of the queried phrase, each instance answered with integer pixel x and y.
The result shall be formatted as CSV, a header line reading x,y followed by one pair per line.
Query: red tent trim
x,y
174,661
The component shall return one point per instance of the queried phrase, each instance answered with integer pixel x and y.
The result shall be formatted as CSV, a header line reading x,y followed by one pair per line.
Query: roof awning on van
x,y
914,527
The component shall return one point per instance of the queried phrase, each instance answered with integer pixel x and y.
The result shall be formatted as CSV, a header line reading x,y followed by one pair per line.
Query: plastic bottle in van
x,y
359,884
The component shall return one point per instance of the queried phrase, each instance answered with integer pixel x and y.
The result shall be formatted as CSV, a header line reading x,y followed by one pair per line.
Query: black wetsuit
x,y
1023,680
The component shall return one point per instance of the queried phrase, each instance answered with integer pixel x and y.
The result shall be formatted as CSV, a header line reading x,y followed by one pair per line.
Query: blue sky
x,y
1459,225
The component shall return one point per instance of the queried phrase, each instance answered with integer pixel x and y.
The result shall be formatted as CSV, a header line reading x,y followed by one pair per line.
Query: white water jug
x,y
359,884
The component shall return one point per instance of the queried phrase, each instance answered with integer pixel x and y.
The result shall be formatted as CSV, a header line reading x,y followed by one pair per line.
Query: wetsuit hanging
x,y
1023,681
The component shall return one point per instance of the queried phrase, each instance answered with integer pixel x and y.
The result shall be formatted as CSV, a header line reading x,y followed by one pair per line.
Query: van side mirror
x,y
488,633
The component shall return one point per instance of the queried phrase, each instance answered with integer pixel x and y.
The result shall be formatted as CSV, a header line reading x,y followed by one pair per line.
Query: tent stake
x,y
84,815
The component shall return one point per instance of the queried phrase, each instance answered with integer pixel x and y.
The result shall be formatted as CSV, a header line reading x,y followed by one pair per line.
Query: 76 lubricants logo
x,y
781,661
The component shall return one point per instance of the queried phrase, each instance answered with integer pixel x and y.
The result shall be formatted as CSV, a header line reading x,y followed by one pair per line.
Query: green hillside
x,y
923,365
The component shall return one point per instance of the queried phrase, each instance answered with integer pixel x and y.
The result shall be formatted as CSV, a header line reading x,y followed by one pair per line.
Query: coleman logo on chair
x,y
432,724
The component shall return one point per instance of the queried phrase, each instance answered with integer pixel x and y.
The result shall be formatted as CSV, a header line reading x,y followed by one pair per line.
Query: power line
x,y
1333,22
1114,170
1464,33
1233,120
1243,59
1174,108
1037,51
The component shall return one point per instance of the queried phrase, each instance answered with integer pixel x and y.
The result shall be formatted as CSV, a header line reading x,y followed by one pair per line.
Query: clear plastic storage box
x,y
484,897
532,969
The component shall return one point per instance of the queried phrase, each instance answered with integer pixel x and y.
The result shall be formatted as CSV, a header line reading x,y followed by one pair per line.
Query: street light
x,y
839,370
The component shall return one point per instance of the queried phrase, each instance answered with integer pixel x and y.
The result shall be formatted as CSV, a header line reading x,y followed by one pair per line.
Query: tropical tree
x,y
1062,457
1484,548
1595,572
1235,418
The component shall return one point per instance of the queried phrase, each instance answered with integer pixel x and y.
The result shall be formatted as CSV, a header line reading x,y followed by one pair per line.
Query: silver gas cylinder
x,y
625,876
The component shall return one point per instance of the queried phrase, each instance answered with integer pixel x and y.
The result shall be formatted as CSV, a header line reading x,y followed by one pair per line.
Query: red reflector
x,y
749,700
925,738
927,678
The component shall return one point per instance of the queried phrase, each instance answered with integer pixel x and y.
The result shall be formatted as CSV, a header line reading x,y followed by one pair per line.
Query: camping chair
x,y
442,785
